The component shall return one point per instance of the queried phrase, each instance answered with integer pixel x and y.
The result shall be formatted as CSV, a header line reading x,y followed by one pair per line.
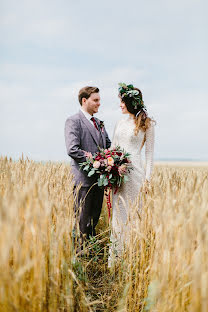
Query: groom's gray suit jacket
x,y
81,136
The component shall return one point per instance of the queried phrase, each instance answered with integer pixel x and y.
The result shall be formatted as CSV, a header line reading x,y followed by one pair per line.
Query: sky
x,y
50,49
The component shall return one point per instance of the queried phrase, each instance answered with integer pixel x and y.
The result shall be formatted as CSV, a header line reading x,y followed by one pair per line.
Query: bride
x,y
131,134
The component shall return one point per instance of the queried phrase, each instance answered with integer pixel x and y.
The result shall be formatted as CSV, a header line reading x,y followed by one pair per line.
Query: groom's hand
x,y
88,154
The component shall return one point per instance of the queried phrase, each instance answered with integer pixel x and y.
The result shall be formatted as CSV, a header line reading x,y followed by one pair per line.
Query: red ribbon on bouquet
x,y
108,200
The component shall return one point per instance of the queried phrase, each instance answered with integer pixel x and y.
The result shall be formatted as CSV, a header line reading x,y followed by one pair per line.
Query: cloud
x,y
51,49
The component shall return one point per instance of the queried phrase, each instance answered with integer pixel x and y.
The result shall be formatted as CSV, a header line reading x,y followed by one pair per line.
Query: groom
x,y
84,134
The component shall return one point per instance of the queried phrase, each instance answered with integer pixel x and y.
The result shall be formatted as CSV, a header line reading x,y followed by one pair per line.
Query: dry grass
x,y
165,267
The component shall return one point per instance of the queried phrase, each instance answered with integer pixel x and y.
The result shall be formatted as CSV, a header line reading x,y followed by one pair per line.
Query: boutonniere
x,y
102,125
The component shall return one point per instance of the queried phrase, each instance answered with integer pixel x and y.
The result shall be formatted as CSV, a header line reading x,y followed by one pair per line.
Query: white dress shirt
x,y
88,116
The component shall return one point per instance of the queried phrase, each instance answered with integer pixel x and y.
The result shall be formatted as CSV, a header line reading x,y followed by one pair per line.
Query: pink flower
x,y
110,161
96,164
108,168
122,169
88,155
107,152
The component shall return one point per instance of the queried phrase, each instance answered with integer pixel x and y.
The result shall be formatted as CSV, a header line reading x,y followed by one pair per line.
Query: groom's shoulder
x,y
73,122
74,117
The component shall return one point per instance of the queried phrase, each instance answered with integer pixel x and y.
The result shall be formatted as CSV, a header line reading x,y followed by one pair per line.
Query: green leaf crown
x,y
129,91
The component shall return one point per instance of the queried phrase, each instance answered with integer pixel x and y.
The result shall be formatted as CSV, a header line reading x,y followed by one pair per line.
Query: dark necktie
x,y
93,120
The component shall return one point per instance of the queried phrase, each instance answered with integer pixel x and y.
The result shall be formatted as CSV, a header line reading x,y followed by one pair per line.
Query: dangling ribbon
x,y
141,110
108,200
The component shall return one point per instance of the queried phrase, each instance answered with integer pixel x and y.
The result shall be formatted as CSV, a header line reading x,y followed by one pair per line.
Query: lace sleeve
x,y
149,150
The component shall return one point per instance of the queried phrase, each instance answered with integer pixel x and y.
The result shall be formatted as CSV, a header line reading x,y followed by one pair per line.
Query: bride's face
x,y
123,108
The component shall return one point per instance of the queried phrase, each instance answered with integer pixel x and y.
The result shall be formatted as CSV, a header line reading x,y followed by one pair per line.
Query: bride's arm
x,y
149,150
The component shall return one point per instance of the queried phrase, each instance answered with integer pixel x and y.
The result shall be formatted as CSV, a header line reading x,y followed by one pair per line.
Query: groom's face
x,y
92,104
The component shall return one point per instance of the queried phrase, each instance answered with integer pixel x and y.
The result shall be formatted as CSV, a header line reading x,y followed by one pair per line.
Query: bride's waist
x,y
136,161
135,156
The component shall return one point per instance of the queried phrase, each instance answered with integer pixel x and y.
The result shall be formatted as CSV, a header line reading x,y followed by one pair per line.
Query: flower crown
x,y
129,91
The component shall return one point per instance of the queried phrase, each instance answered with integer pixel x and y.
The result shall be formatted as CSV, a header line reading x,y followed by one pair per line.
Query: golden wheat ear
x,y
164,264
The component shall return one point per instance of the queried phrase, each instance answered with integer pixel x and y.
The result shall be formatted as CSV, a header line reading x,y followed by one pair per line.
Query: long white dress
x,y
128,195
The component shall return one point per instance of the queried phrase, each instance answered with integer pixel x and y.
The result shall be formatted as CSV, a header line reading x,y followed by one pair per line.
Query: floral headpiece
x,y
128,91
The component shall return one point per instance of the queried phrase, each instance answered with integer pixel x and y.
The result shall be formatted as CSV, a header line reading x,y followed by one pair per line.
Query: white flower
x,y
96,164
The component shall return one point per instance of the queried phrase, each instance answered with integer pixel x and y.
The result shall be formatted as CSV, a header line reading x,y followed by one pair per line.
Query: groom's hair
x,y
86,92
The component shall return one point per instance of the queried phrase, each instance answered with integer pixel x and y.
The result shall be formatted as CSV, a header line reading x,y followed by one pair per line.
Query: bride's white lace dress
x,y
128,195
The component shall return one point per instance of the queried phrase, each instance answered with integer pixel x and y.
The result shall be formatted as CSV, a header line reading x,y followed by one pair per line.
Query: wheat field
x,y
164,267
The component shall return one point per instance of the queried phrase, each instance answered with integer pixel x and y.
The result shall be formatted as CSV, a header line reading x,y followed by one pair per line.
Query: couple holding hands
x,y
86,134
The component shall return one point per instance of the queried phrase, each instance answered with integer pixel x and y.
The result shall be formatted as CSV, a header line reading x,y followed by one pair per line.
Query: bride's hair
x,y
141,120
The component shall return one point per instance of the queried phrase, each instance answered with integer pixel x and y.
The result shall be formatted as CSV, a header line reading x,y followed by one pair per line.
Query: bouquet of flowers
x,y
111,167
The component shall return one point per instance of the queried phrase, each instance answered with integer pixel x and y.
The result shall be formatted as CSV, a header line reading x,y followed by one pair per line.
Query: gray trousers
x,y
88,207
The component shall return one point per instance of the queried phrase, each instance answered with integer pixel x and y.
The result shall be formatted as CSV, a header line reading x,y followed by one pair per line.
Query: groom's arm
x,y
72,139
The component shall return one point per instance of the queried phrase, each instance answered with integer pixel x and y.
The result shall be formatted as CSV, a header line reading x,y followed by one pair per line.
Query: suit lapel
x,y
102,133
89,127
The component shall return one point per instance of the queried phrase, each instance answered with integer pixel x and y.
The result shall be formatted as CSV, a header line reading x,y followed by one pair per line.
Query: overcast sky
x,y
49,49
